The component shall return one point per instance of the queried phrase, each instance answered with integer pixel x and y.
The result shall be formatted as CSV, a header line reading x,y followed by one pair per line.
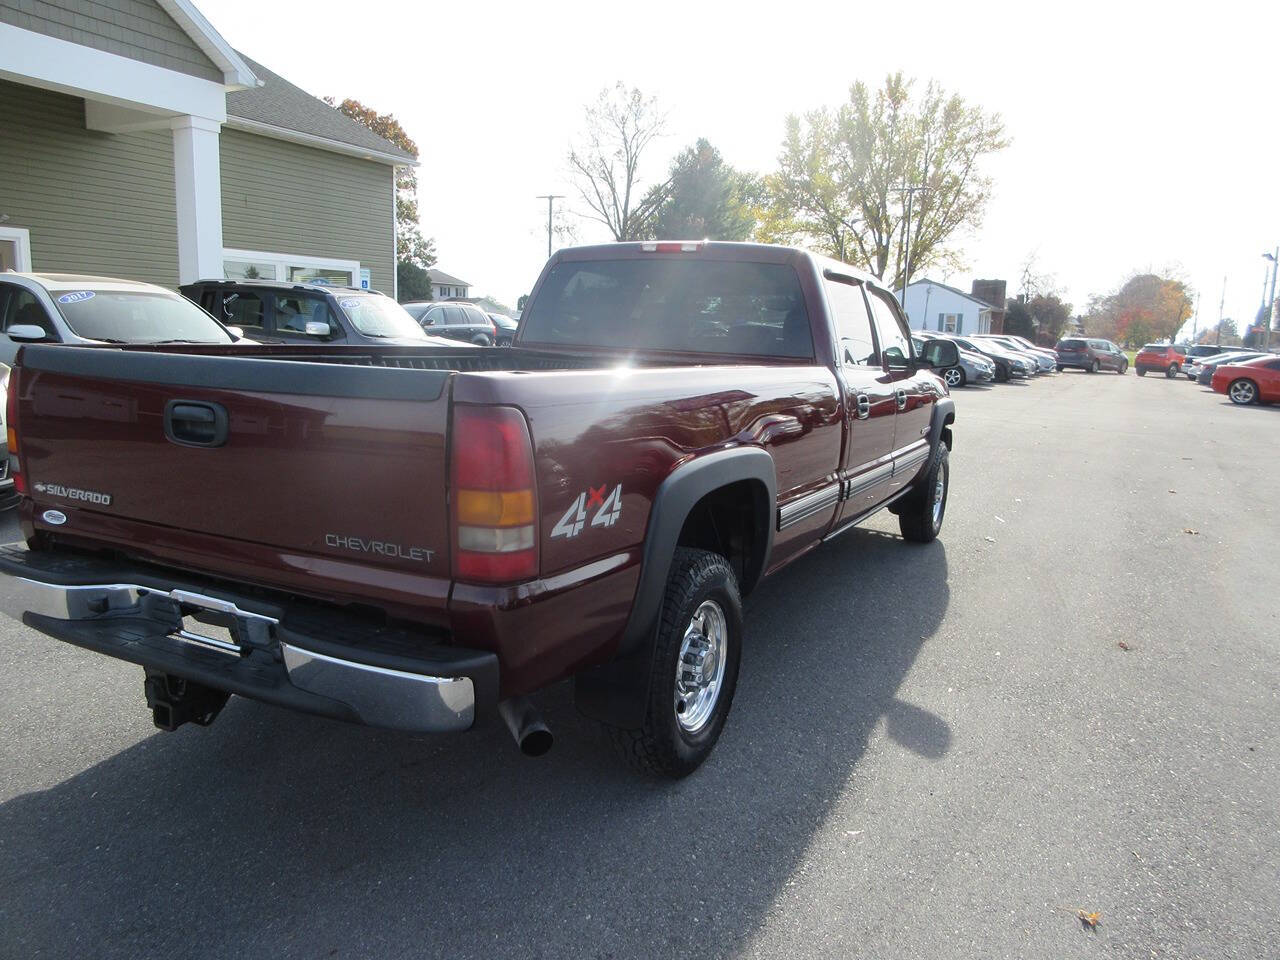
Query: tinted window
x,y
895,345
455,316
476,316
137,317
1273,365
1070,344
242,310
293,313
672,303
853,323
21,307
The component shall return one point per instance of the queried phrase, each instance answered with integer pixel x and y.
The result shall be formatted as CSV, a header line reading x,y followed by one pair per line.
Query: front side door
x,y
866,467
915,390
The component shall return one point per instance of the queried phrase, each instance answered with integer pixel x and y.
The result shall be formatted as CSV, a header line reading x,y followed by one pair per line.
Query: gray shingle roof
x,y
439,276
280,104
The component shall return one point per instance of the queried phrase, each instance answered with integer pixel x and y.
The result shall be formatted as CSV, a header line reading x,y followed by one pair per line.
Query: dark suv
x,y
271,312
1091,354
455,320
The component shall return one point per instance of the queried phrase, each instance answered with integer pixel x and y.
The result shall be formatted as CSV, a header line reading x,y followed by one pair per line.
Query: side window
x,y
853,324
243,310
454,316
475,316
1273,365
894,342
22,307
432,315
293,313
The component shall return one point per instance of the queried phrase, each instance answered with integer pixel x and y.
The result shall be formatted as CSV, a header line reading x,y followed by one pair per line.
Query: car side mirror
x,y
427,320
26,333
941,354
236,332
317,328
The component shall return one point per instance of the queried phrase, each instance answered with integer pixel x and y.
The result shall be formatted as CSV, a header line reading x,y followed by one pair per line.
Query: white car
x,y
8,496
66,308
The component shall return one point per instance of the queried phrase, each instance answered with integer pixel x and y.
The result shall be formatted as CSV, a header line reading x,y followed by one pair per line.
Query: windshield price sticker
x,y
350,303
78,297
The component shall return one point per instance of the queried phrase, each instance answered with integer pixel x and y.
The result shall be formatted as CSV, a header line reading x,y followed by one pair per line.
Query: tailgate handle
x,y
191,423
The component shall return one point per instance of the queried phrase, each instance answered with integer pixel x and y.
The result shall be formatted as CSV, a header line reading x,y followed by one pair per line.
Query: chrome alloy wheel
x,y
1242,391
700,668
939,495
953,376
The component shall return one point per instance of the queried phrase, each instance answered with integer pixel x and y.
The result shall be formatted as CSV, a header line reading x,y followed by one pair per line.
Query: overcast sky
x,y
1141,138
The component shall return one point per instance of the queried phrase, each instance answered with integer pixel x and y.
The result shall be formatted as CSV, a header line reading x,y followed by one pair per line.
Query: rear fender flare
x,y
617,692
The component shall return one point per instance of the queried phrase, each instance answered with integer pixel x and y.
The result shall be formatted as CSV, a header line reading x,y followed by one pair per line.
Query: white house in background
x,y
446,287
931,305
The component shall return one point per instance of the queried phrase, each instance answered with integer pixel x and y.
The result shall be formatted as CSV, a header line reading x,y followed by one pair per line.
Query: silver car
x,y
973,367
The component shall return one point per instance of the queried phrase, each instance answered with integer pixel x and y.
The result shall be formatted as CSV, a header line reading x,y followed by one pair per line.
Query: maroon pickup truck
x,y
415,538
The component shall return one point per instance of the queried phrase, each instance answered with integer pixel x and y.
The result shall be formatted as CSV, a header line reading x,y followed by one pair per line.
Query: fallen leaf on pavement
x,y
1189,530
1090,921
1122,645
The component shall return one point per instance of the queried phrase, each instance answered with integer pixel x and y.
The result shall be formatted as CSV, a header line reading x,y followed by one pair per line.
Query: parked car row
x,y
1245,376
988,357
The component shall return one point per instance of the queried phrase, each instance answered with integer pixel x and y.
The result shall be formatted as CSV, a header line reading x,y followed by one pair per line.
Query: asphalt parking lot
x,y
938,751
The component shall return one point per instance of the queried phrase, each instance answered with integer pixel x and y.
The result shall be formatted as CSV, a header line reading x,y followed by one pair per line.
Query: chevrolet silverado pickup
x,y
418,538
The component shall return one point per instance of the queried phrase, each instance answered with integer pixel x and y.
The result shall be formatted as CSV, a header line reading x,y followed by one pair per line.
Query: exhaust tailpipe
x,y
525,723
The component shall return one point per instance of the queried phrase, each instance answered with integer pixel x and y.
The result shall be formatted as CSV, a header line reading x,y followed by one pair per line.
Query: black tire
x,y
662,746
482,341
1002,374
1059,368
1172,371
955,377
1124,368
1243,391
1142,372
916,517
1095,367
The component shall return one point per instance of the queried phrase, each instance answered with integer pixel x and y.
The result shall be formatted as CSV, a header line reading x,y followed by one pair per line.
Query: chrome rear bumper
x,y
264,658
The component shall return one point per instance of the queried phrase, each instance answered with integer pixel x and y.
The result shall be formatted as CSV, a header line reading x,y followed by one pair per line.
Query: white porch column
x,y
197,176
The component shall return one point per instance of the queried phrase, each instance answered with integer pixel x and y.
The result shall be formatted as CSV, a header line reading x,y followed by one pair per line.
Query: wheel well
x,y
732,521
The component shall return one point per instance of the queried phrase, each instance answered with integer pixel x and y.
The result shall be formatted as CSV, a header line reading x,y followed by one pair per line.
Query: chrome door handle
x,y
864,406
902,399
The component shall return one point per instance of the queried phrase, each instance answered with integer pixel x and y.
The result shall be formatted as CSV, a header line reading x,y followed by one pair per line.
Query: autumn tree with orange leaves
x,y
1147,307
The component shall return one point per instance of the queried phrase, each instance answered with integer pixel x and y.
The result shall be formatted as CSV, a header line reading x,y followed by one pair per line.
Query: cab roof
x,y
77,281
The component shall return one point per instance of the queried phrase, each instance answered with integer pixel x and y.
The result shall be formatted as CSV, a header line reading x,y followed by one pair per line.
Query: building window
x,y
248,270
257,265
15,249
949,322
337,278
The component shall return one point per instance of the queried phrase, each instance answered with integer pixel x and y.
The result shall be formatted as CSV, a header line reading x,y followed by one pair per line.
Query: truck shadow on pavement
x,y
275,834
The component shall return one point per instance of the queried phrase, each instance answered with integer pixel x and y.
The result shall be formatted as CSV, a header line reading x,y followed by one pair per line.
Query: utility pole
x,y
550,198
1221,303
906,240
1271,298
1195,320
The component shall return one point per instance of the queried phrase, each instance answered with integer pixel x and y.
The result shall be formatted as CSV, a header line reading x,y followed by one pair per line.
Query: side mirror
x,y
316,328
941,354
427,320
236,332
26,333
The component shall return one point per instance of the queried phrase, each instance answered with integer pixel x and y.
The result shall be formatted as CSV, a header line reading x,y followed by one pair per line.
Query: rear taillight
x,y
671,246
10,384
494,508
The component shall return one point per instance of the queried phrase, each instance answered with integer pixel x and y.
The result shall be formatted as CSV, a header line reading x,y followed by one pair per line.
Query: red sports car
x,y
1251,381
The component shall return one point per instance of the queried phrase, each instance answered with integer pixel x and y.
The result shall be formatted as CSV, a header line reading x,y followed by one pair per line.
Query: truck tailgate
x,y
313,459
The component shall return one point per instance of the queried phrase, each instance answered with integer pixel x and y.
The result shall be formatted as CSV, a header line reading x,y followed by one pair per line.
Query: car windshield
x,y
376,315
137,316
665,303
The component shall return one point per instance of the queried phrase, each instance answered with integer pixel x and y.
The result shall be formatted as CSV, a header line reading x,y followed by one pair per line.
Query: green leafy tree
x,y
520,303
1018,320
1050,317
412,282
704,198
411,246
841,177
605,162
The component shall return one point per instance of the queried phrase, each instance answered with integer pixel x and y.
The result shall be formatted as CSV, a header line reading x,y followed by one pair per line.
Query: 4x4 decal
x,y
609,509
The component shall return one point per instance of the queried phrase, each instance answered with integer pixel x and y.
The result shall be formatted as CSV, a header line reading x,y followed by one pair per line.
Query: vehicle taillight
x,y
494,506
10,384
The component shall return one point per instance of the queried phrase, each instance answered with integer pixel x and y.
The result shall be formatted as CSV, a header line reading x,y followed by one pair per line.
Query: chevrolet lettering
x,y
382,548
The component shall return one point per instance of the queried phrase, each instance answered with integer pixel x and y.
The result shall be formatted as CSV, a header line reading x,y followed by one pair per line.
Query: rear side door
x,y
866,466
914,390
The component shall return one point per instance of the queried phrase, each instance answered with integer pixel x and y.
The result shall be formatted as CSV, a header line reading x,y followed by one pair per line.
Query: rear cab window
x,y
670,304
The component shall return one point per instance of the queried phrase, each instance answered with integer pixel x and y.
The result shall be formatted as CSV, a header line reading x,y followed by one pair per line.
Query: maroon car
x,y
415,538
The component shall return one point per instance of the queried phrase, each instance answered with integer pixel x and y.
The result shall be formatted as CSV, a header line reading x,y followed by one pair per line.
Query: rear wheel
x,y
1141,371
694,670
955,377
1171,371
920,515
1124,368
1002,374
1095,367
482,341
1243,392
1059,368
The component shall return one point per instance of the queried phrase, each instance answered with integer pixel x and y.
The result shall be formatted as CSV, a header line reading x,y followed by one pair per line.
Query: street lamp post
x,y
550,198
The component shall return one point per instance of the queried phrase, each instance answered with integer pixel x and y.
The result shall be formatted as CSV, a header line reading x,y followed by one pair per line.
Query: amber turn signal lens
x,y
495,508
